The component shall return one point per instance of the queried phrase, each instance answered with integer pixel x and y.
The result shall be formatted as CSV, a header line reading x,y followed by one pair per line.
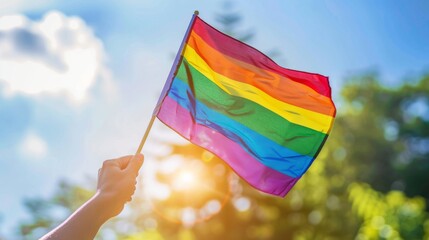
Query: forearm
x,y
84,223
116,185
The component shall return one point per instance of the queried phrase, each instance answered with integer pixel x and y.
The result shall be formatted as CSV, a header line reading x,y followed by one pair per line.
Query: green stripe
x,y
295,137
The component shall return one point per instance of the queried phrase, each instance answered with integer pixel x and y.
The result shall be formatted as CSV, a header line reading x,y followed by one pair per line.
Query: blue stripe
x,y
265,150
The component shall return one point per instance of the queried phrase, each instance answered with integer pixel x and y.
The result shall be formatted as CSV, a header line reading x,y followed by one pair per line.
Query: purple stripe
x,y
255,173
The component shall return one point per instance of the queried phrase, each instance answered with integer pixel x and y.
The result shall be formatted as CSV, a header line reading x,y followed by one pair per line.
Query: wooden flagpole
x,y
167,84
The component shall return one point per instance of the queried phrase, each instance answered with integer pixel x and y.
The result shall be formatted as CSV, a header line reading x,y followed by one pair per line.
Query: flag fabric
x,y
268,123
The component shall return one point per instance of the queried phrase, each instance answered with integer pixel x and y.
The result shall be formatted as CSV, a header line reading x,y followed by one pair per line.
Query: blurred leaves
x,y
389,216
386,133
229,22
370,181
44,214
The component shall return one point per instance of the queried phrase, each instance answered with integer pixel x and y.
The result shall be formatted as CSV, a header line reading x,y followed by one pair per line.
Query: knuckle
x,y
106,163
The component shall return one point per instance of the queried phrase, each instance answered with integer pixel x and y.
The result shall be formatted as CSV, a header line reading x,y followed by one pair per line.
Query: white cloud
x,y
8,6
33,146
57,55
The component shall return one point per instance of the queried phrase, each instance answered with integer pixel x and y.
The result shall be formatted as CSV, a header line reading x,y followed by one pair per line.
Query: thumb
x,y
135,163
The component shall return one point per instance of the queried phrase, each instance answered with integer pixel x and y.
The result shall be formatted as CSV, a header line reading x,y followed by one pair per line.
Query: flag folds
x,y
265,121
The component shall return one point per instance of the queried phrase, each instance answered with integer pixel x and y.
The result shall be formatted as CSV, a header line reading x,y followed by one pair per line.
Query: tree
x,y
326,203
229,21
370,180
388,216
45,214
386,134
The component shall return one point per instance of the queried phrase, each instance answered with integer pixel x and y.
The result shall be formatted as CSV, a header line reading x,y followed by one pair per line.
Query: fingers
x,y
108,163
124,161
135,163
121,162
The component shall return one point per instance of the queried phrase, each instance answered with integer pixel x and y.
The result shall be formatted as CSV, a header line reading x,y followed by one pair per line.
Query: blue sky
x,y
65,128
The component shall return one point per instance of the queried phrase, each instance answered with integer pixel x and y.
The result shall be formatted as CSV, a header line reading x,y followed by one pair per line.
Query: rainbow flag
x,y
268,123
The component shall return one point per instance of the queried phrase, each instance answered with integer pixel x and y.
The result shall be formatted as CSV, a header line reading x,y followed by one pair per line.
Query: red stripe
x,y
243,52
246,166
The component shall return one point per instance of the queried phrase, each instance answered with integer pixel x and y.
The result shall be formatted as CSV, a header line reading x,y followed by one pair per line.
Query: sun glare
x,y
188,191
185,180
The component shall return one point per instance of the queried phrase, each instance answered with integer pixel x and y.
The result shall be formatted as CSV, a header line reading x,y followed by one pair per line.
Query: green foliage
x,y
45,214
389,216
369,142
385,132
370,181
147,235
229,20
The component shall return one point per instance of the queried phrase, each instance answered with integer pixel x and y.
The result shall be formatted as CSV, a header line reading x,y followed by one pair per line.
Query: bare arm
x,y
116,185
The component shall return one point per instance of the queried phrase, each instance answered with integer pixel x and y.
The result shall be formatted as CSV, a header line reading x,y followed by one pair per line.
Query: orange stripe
x,y
277,86
245,53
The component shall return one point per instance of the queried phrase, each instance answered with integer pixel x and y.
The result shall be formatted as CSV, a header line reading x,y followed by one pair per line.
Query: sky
x,y
79,79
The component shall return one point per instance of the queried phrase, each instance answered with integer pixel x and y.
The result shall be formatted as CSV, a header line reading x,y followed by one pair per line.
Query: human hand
x,y
117,183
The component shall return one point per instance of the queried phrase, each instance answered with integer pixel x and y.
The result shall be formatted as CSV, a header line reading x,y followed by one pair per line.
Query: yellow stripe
x,y
314,120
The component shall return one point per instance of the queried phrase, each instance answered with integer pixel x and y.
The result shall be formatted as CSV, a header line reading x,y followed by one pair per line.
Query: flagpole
x,y
167,84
